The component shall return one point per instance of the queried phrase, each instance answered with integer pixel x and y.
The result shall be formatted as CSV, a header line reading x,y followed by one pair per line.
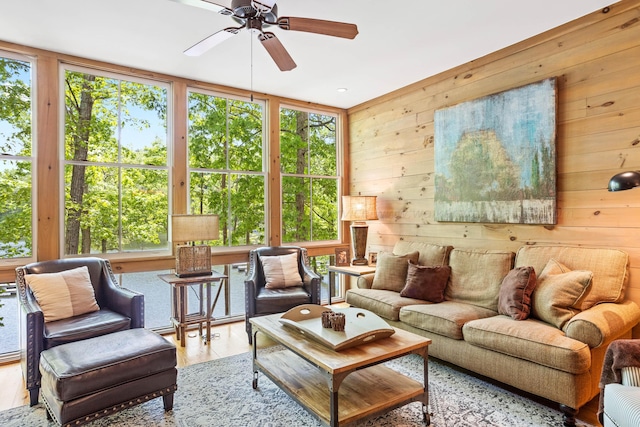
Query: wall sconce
x,y
624,181
359,209
192,259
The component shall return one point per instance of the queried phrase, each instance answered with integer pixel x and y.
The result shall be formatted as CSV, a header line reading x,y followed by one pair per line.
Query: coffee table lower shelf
x,y
363,393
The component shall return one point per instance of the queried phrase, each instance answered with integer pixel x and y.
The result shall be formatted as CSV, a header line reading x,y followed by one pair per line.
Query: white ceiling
x,y
400,42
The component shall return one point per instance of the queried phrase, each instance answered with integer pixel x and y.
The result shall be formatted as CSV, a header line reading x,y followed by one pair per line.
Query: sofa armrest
x,y
365,281
602,323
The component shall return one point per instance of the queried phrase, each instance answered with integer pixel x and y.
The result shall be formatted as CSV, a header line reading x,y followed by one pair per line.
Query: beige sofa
x,y
562,365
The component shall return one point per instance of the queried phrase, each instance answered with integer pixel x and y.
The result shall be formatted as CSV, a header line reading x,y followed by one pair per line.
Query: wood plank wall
x,y
596,60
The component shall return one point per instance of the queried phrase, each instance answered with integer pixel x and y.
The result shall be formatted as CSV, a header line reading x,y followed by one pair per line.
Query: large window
x,y
116,169
226,166
310,176
16,231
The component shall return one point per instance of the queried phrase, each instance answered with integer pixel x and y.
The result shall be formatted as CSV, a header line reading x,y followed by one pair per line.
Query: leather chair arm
x,y
126,302
250,297
31,325
311,282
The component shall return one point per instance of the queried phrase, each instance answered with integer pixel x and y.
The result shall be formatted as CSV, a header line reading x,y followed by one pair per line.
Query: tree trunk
x,y
302,126
80,153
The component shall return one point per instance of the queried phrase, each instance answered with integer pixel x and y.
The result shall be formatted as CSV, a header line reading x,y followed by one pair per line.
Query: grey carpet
x,y
219,394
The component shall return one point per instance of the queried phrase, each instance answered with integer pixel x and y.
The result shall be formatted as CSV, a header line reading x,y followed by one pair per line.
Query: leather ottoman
x,y
89,379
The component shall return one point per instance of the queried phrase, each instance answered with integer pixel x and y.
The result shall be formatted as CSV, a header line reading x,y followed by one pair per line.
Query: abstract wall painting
x,y
495,158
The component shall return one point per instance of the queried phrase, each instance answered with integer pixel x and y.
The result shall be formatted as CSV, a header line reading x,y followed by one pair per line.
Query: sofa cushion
x,y
281,271
610,268
384,303
430,254
514,298
391,270
64,294
558,293
476,276
445,318
426,282
530,340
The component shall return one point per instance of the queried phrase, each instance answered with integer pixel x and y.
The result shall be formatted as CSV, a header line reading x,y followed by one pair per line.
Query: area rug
x,y
219,394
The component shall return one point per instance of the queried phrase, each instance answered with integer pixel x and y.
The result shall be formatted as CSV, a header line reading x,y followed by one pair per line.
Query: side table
x,y
349,270
180,319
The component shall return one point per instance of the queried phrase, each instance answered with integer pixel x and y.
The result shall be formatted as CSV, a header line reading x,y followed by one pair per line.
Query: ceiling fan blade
x,y
214,39
206,4
277,51
263,6
319,26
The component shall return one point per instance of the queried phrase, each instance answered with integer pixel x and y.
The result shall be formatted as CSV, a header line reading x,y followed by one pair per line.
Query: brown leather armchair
x,y
260,301
120,309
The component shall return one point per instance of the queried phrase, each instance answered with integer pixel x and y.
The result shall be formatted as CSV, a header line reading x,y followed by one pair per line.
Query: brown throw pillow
x,y
514,298
556,298
426,282
391,270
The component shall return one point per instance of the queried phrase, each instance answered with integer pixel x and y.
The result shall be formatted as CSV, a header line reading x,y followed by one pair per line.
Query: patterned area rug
x,y
219,394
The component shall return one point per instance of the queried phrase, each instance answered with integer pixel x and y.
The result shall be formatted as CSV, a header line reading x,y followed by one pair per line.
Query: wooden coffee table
x,y
342,387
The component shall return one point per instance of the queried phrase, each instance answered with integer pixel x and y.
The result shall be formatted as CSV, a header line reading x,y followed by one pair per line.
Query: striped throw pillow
x,y
281,271
65,294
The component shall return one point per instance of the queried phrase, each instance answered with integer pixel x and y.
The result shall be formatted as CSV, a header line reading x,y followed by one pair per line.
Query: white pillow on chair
x,y
281,271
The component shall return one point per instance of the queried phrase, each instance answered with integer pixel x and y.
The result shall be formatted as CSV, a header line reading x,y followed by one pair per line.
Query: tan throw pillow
x,y
281,271
514,298
426,282
65,294
557,296
391,270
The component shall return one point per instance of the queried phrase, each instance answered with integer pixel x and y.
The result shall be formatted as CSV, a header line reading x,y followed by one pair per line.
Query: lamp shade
x,y
624,181
190,228
359,208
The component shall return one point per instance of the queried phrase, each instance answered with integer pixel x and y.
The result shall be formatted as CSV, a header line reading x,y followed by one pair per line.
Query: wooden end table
x,y
180,319
341,387
348,270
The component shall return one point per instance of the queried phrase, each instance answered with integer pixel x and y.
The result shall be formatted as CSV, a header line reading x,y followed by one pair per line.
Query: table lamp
x,y
359,209
192,259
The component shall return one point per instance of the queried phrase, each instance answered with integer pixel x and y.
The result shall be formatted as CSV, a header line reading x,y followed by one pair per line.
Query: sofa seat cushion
x,y
445,318
531,340
386,304
85,326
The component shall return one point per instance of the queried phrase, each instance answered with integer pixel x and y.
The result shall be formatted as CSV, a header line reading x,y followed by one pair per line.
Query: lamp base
x,y
359,232
193,260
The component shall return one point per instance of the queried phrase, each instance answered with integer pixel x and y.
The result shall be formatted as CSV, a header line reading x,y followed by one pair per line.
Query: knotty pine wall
x,y
596,60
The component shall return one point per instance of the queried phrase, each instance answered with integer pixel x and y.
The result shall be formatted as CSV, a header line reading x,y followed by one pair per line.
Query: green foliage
x,y
119,201
308,153
225,147
15,172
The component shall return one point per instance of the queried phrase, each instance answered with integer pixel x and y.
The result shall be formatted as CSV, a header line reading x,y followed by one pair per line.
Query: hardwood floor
x,y
228,340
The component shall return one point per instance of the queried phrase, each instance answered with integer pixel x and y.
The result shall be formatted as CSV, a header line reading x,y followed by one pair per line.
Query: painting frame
x,y
495,157
373,258
343,257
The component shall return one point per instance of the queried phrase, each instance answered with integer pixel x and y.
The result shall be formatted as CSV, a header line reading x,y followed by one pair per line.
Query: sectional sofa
x,y
539,320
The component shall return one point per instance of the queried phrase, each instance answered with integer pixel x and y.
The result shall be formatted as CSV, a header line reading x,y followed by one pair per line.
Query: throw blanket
x,y
620,354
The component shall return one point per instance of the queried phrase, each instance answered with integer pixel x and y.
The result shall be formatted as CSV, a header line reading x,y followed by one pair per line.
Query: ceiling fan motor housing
x,y
242,9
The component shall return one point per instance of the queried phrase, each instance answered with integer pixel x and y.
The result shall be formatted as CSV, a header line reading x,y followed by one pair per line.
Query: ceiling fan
x,y
256,14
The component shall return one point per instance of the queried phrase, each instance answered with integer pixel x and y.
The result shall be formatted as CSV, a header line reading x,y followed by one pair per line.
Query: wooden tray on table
x,y
361,326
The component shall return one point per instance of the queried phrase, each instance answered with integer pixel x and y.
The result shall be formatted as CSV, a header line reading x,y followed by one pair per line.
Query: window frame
x,y
264,172
32,159
339,177
99,72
